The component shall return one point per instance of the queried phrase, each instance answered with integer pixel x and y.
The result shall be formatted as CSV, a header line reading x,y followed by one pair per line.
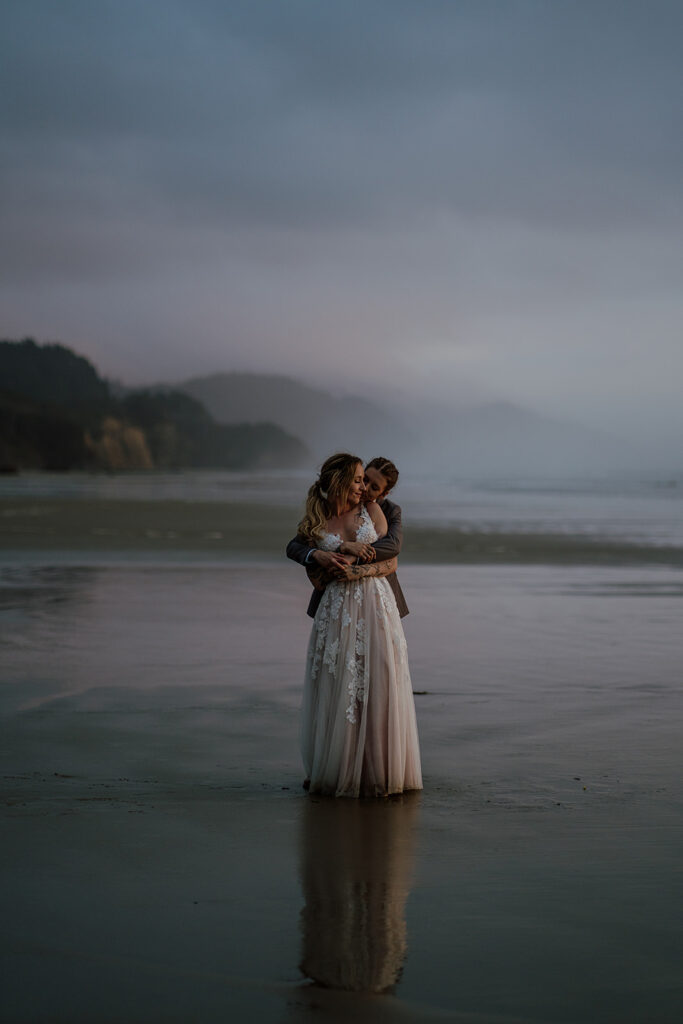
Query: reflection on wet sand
x,y
30,589
356,869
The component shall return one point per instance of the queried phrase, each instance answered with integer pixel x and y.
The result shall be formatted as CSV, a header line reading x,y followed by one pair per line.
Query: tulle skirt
x,y
359,734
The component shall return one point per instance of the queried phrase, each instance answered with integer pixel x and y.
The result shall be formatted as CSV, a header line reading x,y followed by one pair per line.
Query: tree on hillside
x,y
50,373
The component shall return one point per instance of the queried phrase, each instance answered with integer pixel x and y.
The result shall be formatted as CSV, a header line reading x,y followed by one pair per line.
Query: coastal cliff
x,y
57,413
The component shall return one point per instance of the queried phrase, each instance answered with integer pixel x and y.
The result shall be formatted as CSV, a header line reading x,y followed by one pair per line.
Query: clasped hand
x,y
357,549
336,564
347,554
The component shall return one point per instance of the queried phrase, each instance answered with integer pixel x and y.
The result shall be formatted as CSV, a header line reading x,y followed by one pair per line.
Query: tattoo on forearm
x,y
377,569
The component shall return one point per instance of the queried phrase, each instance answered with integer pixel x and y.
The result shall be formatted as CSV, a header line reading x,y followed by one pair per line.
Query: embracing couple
x,y
359,734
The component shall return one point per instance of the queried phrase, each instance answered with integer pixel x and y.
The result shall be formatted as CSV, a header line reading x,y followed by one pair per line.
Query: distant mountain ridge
x,y
496,437
325,423
56,412
500,437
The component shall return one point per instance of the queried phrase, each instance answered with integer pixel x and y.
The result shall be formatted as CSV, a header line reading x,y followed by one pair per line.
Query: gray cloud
x,y
308,183
283,112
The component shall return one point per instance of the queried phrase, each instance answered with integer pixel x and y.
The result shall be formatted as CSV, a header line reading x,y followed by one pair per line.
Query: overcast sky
x,y
468,198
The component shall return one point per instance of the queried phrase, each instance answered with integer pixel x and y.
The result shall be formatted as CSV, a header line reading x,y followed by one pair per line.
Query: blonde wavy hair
x,y
329,492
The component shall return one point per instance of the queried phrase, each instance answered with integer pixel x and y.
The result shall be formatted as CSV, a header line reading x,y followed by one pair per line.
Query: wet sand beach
x,y
162,863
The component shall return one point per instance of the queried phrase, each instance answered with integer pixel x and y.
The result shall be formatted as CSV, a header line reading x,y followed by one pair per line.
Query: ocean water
x,y
646,512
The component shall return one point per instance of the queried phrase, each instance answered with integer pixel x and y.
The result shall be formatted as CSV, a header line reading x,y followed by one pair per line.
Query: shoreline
x,y
177,528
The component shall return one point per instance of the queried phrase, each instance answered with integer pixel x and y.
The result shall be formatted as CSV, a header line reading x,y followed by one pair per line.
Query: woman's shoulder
x,y
377,516
373,510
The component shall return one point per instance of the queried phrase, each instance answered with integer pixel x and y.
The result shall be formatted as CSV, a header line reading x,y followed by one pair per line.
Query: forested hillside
x,y
58,413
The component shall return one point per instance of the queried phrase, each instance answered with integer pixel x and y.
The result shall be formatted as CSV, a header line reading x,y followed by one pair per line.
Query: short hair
x,y
387,469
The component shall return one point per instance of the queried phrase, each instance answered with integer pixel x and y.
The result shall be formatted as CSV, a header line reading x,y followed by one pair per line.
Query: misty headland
x,y
57,412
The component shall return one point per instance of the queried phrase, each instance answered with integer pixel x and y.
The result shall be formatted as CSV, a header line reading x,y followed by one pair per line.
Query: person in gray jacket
x,y
380,478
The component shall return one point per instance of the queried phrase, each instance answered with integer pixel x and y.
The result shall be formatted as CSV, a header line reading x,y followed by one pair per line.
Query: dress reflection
x,y
356,868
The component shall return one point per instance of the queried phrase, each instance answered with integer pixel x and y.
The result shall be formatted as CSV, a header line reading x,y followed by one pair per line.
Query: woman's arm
x,y
359,572
379,520
390,545
358,549
301,550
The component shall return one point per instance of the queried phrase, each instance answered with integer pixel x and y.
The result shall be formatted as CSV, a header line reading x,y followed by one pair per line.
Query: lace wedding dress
x,y
359,734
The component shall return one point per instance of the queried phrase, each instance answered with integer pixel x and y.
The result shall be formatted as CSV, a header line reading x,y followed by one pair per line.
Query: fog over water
x,y
421,203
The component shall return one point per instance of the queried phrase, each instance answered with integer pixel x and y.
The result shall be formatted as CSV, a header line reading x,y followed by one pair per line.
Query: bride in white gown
x,y
359,734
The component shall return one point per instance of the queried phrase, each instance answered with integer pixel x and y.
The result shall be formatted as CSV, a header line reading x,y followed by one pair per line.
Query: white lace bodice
x,y
366,533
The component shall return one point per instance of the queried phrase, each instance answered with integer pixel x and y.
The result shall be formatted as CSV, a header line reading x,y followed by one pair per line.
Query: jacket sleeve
x,y
389,546
298,548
